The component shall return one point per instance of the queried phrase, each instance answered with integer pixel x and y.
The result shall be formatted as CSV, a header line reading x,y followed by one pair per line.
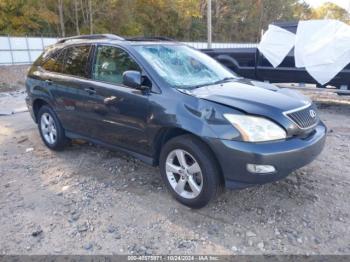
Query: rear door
x,y
71,89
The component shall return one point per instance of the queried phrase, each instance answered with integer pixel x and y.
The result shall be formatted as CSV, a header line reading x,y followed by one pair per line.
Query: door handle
x,y
110,100
90,91
48,81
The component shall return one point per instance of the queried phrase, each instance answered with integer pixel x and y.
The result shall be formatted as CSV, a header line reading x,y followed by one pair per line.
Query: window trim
x,y
86,69
59,52
64,49
155,87
93,61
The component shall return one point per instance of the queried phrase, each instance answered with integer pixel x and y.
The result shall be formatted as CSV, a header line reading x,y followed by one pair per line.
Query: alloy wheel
x,y
48,128
184,174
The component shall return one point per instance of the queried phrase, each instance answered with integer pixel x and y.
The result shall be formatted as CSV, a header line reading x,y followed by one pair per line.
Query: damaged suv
x,y
173,106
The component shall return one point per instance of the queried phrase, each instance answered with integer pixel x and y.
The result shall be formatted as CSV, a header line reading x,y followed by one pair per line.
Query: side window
x,y
76,61
55,62
110,64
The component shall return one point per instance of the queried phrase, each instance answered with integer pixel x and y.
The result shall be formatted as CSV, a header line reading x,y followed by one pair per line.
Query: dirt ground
x,y
88,200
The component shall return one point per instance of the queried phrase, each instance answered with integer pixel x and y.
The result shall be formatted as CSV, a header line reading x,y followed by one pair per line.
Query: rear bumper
x,y
286,156
29,103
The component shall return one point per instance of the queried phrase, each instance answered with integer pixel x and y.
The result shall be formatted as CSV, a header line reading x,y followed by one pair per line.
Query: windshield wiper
x,y
224,80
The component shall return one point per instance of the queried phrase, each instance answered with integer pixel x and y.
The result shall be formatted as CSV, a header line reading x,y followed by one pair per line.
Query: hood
x,y
252,97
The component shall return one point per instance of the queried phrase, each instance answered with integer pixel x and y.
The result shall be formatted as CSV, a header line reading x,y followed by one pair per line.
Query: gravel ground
x,y
88,200
12,77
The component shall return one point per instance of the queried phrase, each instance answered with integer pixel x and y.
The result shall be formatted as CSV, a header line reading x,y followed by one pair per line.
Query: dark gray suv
x,y
173,106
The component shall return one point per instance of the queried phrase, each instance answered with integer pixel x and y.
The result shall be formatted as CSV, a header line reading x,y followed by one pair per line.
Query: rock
x,y
117,235
234,248
261,246
111,229
250,234
185,244
317,240
277,232
88,246
140,250
213,229
29,149
21,140
83,227
74,217
37,232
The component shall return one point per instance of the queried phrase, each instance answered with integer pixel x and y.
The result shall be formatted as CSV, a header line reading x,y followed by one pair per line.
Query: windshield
x,y
184,67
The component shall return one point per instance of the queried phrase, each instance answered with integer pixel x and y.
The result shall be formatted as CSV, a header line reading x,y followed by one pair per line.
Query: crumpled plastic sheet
x,y
322,47
276,43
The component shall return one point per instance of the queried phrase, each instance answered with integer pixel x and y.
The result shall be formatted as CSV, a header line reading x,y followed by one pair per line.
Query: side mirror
x,y
132,79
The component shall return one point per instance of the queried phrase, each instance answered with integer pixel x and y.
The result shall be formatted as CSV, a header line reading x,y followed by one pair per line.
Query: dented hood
x,y
252,96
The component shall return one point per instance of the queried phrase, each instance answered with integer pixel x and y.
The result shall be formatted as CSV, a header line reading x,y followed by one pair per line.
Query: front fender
x,y
193,115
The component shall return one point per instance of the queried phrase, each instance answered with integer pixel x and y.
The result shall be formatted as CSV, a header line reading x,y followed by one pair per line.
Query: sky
x,y
342,3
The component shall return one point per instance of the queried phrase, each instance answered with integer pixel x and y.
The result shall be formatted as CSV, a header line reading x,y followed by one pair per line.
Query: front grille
x,y
305,117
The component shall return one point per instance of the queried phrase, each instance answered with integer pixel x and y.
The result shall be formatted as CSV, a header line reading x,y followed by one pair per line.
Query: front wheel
x,y
190,171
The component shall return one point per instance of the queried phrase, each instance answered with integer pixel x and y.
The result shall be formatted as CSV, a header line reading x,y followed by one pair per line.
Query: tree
x,y
330,11
20,17
60,13
233,20
76,16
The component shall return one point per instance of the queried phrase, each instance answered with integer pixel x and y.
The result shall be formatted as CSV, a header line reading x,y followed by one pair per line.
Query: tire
x,y
59,140
207,180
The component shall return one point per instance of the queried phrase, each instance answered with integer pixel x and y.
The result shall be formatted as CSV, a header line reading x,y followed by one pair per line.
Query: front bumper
x,y
286,156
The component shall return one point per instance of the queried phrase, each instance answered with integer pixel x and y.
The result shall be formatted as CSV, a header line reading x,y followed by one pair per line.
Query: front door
x,y
120,112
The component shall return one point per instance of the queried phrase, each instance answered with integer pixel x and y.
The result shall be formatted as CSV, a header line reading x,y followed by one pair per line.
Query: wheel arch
x,y
165,134
37,104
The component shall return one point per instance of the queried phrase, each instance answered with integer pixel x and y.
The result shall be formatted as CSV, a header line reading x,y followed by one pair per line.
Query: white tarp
x,y
322,47
276,43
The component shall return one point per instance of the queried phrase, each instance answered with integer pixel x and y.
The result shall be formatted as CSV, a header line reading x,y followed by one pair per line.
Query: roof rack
x,y
89,37
150,38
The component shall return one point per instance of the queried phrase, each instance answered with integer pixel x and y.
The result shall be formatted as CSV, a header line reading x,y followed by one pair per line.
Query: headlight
x,y
256,129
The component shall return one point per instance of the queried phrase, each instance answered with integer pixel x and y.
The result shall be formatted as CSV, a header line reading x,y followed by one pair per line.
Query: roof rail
x,y
97,36
150,38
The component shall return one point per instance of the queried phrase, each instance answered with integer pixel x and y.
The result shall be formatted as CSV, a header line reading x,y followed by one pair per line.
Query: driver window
x,y
111,62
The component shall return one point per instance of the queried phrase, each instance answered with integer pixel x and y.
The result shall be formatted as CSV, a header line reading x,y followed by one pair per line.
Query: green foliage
x,y
18,17
331,11
233,20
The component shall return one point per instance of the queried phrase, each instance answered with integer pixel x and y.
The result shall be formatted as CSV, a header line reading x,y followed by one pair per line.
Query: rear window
x,y
48,52
76,60
55,62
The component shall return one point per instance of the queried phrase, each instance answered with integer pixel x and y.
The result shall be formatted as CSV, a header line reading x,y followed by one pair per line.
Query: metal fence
x,y
25,50
203,45
22,50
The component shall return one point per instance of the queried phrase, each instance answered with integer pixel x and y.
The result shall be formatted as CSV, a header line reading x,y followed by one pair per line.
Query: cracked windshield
x,y
184,67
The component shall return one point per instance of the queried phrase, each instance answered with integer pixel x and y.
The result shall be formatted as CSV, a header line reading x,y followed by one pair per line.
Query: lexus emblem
x,y
312,113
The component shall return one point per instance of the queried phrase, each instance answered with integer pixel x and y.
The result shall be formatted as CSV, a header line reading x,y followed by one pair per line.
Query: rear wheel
x,y
50,128
190,171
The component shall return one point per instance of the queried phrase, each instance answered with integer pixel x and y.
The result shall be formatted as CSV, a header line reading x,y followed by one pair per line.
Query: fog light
x,y
260,169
